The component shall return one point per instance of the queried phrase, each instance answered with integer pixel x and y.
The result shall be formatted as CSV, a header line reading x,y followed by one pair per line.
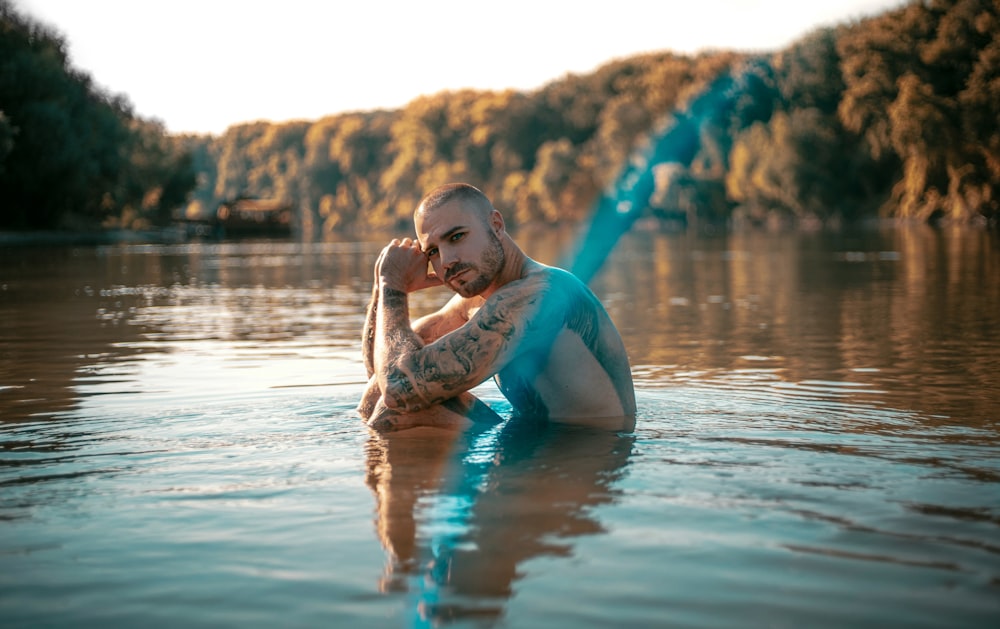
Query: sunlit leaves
x,y
896,113
918,84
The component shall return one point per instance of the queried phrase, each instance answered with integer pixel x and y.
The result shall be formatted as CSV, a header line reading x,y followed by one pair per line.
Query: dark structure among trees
x,y
255,217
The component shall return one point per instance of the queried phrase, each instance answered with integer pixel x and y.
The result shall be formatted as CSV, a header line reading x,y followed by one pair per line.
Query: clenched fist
x,y
403,266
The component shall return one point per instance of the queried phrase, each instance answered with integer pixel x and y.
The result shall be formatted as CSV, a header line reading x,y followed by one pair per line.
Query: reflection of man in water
x,y
539,330
460,513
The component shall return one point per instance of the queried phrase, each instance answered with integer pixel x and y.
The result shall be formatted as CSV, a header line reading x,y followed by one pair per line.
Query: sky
x,y
200,66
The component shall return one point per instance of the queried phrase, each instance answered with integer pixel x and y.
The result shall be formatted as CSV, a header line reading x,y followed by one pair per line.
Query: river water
x,y
816,444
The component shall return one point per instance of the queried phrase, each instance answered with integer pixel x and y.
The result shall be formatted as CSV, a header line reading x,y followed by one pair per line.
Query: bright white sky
x,y
203,65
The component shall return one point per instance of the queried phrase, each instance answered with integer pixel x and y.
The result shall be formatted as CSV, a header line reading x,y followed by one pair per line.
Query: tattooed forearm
x,y
394,340
400,388
370,399
393,334
401,395
394,298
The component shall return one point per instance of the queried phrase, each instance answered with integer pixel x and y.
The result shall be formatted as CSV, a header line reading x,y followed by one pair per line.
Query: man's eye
x,y
457,237
432,252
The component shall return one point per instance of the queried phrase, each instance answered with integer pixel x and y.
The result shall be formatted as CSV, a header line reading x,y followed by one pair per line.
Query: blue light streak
x,y
678,141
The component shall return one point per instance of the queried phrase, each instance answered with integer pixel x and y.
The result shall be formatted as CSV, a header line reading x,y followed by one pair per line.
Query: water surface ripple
x,y
816,445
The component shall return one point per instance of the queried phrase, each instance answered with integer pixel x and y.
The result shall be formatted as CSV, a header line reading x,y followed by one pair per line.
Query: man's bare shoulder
x,y
535,301
538,277
543,281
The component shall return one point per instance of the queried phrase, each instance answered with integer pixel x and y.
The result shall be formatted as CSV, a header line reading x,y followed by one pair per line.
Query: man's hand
x,y
403,266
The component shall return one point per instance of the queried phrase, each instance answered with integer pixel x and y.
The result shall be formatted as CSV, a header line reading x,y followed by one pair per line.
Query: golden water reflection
x,y
912,312
904,315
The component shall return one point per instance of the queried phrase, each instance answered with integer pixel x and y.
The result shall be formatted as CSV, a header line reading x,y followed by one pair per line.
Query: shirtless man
x,y
547,340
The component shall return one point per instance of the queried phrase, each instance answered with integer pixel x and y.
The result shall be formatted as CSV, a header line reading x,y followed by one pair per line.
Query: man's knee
x,y
456,413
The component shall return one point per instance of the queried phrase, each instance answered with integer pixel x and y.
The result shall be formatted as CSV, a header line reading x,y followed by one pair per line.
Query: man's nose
x,y
448,259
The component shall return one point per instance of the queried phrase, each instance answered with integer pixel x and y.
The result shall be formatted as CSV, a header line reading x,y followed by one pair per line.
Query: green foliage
x,y
71,155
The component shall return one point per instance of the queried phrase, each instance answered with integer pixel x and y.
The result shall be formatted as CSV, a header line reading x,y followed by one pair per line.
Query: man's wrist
x,y
392,296
386,283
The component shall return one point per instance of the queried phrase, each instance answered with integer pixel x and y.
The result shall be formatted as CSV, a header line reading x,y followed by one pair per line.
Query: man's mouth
x,y
450,277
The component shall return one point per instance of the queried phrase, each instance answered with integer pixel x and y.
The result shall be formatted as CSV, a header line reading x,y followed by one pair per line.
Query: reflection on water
x,y
911,313
75,323
816,444
460,514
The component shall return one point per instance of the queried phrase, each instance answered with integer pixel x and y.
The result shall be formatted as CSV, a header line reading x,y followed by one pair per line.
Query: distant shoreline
x,y
174,235
95,237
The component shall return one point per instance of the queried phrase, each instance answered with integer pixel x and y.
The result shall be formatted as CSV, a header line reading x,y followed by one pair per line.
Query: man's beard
x,y
485,271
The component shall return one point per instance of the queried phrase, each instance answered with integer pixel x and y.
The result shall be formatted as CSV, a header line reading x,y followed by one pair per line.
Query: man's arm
x,y
368,333
413,376
451,316
372,394
428,327
393,338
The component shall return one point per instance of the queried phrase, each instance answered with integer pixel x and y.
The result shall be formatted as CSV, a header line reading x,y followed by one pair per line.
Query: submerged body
x,y
539,330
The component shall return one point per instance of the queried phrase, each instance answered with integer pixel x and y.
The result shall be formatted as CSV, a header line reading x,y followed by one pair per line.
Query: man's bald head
x,y
470,197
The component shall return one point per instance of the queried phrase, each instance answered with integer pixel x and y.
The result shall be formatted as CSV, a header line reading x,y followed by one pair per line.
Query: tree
x,y
896,111
808,72
72,155
873,56
981,131
922,131
798,165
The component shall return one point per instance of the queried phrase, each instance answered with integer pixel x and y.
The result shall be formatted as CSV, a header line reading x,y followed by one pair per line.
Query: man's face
x,y
465,253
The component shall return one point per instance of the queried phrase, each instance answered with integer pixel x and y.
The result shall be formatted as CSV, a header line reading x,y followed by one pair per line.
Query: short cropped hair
x,y
462,192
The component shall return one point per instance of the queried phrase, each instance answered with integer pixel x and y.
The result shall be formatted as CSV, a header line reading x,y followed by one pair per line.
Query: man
x,y
547,340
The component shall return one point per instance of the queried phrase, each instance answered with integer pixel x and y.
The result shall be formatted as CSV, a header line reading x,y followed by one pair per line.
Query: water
x,y
816,445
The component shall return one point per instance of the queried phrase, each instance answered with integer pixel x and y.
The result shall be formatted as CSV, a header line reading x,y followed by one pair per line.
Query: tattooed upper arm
x,y
512,321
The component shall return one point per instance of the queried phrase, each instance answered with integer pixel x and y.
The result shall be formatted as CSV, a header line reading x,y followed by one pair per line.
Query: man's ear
x,y
496,222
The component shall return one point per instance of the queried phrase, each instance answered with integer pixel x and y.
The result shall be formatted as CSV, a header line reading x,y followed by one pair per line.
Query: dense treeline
x,y
894,115
543,156
903,107
72,156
